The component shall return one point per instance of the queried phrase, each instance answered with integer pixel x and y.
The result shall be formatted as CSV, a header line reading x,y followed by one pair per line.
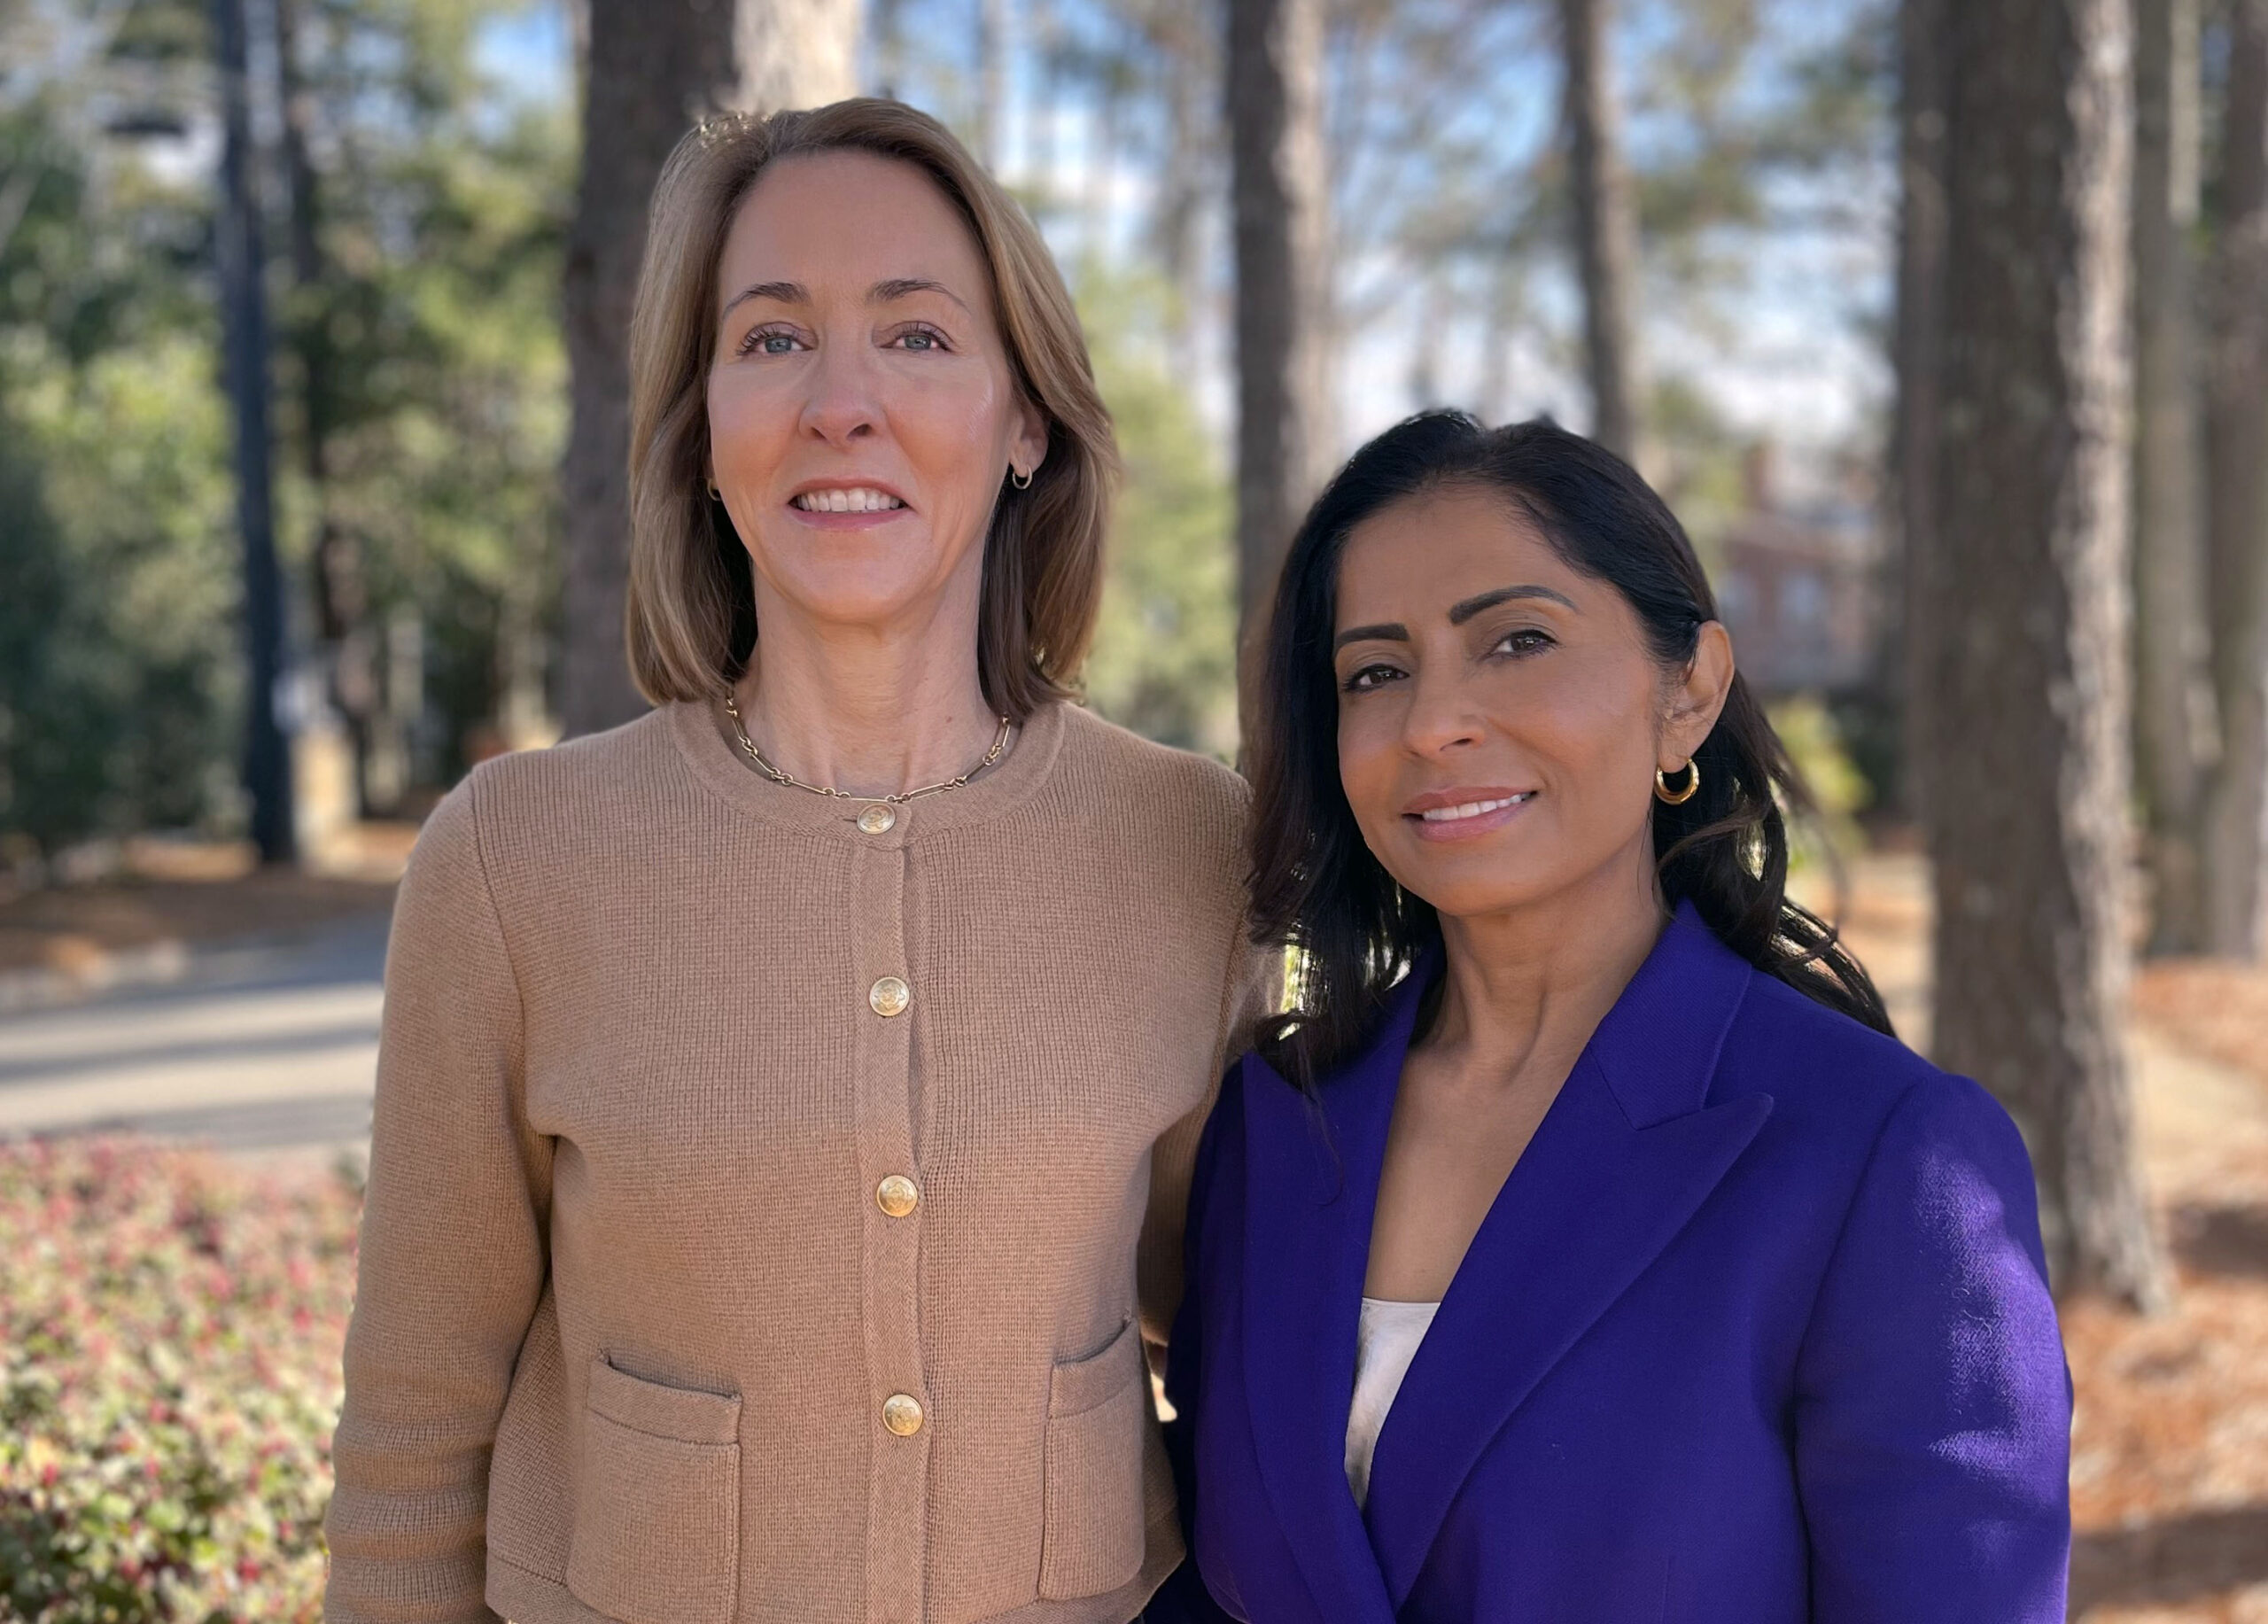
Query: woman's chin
x,y
857,579
1468,881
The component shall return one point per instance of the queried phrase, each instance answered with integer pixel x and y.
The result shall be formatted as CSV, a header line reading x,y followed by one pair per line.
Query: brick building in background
x,y
1798,585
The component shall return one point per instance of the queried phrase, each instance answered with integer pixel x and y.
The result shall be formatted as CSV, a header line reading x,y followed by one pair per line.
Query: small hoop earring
x,y
1678,797
1021,481
714,493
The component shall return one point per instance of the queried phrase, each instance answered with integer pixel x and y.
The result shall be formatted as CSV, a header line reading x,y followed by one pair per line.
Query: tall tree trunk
x,y
1606,229
244,319
1181,38
2237,416
346,643
1924,86
887,23
1043,139
991,94
1279,198
2029,838
651,65
2171,696
1492,395
1106,118
794,53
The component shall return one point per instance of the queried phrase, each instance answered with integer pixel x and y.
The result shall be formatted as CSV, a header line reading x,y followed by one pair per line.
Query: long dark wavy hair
x,y
1315,884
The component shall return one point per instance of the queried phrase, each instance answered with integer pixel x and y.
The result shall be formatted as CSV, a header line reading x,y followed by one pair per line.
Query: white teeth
x,y
859,499
1474,809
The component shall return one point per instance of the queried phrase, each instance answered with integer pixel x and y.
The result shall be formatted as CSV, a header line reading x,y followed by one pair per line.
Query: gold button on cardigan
x,y
635,1337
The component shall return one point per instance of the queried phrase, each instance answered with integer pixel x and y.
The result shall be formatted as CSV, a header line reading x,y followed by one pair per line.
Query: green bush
x,y
1839,791
169,1377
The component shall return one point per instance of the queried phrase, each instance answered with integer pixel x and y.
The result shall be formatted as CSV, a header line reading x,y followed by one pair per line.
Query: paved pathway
x,y
254,1048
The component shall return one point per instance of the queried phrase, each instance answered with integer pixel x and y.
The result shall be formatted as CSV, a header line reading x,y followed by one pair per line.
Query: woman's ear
x,y
1029,449
1698,697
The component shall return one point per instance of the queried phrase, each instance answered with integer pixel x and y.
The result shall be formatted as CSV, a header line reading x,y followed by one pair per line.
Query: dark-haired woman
x,y
1636,1272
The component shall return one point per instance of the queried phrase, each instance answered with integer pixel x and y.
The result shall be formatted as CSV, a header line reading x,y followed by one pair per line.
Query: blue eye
x,y
769,341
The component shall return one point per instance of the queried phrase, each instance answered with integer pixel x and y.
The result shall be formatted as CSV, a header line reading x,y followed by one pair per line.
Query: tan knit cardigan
x,y
643,1333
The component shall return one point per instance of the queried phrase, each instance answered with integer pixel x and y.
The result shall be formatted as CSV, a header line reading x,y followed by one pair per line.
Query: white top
x,y
1383,1349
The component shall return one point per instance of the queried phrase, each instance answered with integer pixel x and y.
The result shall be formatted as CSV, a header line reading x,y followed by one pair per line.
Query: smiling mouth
x,y
859,499
1474,809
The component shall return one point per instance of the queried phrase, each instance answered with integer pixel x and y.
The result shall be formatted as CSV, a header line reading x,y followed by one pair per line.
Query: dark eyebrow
x,y
1395,631
901,287
1387,632
784,292
1459,613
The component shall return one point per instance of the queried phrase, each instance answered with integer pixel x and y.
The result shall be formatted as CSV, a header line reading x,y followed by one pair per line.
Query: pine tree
x,y
1279,202
2028,827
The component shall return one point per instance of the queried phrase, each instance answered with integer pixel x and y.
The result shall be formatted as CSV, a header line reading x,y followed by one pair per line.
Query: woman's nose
x,y
1441,718
842,406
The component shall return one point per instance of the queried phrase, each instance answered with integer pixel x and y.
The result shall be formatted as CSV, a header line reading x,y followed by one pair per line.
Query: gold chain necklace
x,y
778,776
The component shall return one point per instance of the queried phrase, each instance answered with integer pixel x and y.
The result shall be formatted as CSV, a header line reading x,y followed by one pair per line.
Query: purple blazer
x,y
1757,1332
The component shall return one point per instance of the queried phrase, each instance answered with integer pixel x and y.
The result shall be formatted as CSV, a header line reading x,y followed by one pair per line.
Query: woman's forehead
x,y
1440,548
848,218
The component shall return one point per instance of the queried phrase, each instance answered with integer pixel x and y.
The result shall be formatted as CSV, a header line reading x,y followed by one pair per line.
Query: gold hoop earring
x,y
714,493
1678,797
1021,481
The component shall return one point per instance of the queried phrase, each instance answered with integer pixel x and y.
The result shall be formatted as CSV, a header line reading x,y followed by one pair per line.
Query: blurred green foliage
x,y
116,595
1164,659
428,353
1839,791
425,355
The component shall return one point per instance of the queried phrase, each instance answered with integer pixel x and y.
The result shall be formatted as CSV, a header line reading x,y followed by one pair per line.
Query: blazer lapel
x,y
1624,1158
1313,1186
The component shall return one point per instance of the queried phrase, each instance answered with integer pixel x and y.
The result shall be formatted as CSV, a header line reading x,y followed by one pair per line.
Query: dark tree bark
x,y
2029,832
238,242
346,640
652,64
889,26
2237,433
1181,35
991,83
1606,227
2171,696
1279,198
653,67
1924,87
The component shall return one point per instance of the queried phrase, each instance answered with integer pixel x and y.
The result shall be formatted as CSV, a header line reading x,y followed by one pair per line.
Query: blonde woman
x,y
787,1100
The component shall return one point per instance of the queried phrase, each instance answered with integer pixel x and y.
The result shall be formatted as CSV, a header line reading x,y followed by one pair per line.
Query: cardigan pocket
x,y
1093,1542
658,1503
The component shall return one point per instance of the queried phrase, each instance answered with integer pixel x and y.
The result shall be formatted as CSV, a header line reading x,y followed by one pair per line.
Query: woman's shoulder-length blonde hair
x,y
690,615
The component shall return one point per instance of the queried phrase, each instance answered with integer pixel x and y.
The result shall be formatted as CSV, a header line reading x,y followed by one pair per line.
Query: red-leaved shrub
x,y
170,1331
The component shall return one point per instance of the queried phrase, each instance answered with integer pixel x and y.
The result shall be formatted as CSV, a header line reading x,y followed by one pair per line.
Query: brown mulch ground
x,y
168,893
2218,1010
2170,1455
